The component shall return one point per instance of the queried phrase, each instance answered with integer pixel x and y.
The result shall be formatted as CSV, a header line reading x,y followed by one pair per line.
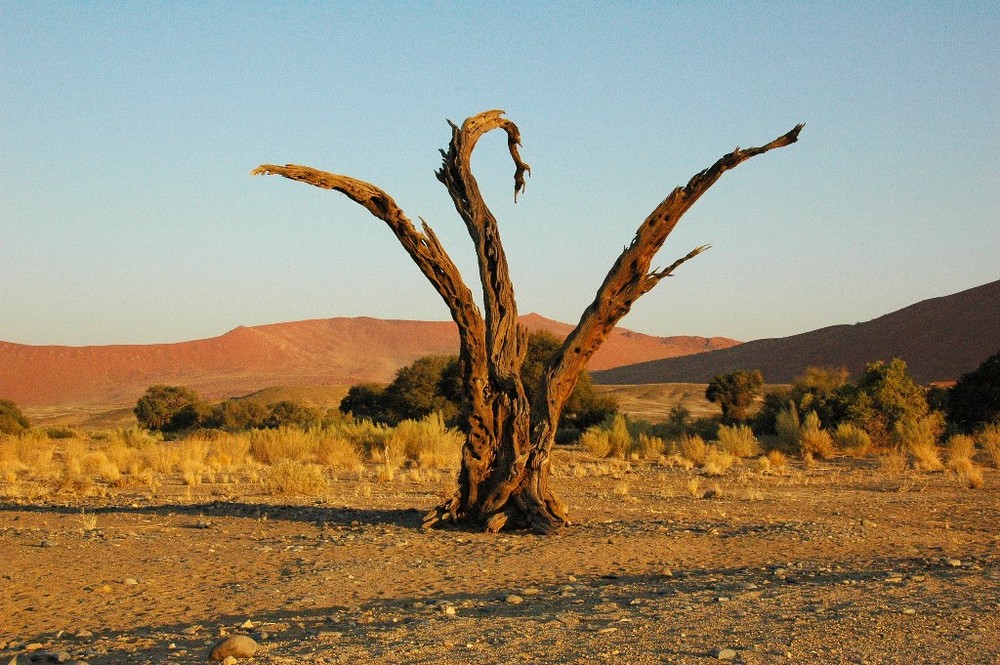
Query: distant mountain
x,y
940,339
340,351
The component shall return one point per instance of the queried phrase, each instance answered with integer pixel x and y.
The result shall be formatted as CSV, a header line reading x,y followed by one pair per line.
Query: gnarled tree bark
x,y
504,479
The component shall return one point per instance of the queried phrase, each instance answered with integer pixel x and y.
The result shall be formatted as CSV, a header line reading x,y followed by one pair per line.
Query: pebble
x,y
130,581
84,634
514,599
955,563
237,646
909,610
449,610
869,524
721,653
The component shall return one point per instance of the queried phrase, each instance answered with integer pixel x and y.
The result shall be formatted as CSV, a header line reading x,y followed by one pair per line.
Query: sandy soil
x,y
837,564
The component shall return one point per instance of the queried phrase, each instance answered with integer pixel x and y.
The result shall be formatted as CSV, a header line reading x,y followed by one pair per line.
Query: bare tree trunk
x,y
506,463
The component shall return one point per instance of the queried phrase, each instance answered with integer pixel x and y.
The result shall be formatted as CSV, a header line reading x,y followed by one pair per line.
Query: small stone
x,y
722,599
909,610
607,630
130,581
868,524
48,543
530,591
237,646
954,563
84,634
635,601
247,625
721,653
514,599
666,572
778,572
192,630
230,660
449,610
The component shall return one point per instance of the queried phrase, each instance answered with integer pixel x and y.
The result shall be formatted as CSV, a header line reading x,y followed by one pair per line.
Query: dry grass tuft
x,y
852,439
777,460
813,440
739,441
717,461
892,461
693,448
294,477
989,439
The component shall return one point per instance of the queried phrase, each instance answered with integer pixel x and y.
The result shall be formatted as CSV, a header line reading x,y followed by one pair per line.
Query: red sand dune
x,y
339,351
940,339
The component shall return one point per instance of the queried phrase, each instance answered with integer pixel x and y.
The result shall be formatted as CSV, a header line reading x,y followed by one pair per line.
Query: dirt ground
x,y
840,563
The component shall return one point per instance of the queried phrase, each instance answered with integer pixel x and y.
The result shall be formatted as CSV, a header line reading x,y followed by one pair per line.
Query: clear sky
x,y
128,131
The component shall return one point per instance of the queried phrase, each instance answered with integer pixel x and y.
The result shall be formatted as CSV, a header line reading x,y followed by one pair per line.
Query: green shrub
x,y
12,421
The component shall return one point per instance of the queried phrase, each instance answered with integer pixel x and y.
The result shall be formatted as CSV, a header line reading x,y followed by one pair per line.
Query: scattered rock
x,y
448,610
230,660
909,610
869,524
514,599
237,646
247,625
954,563
48,543
130,581
84,634
723,653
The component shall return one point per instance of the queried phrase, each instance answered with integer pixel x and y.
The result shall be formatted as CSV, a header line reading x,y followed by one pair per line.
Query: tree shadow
x,y
407,518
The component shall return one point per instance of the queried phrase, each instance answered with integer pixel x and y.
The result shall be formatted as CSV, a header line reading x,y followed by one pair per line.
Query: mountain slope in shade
x,y
339,351
940,339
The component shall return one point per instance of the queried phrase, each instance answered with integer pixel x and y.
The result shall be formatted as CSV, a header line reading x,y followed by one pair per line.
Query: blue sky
x,y
128,130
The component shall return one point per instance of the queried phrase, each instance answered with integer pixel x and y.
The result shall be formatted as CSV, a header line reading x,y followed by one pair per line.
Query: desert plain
x,y
839,561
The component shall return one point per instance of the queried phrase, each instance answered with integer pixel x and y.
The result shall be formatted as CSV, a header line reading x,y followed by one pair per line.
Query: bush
x,y
735,393
852,439
693,448
167,408
989,438
975,399
786,427
12,421
738,440
918,436
813,439
612,438
885,395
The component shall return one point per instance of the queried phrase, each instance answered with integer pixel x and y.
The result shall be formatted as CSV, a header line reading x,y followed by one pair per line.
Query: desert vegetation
x,y
240,446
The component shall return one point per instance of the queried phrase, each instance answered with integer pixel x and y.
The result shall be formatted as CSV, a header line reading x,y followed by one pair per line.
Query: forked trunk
x,y
504,479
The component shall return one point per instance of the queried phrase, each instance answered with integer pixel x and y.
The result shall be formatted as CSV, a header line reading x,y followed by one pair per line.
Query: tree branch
x,y
505,341
425,250
628,279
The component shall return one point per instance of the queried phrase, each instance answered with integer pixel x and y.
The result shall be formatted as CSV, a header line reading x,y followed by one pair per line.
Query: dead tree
x,y
504,478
